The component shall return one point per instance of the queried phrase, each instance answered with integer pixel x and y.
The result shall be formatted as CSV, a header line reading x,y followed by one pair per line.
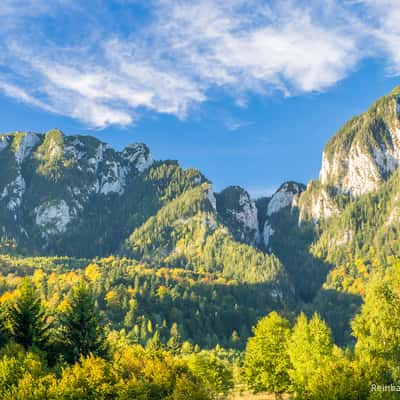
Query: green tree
x,y
23,376
27,318
266,361
81,328
175,339
91,378
214,374
310,346
4,331
377,327
339,378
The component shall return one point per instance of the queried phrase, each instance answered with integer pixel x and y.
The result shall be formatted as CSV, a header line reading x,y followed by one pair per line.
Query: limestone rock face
x,y
287,196
366,151
50,181
239,213
317,203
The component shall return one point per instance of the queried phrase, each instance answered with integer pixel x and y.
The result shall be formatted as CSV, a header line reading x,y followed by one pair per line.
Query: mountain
x,y
238,211
354,207
314,247
361,156
160,271
366,151
75,195
189,233
356,196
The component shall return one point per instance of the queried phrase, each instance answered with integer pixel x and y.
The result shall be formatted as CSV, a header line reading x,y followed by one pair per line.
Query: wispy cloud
x,y
102,75
383,26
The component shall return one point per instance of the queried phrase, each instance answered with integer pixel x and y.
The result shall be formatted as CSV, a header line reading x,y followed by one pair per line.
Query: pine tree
x,y
81,328
175,339
4,331
27,318
154,343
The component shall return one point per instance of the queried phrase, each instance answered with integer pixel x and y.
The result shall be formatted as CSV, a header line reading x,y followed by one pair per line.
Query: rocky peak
x,y
239,212
23,145
366,150
138,154
68,169
317,203
287,195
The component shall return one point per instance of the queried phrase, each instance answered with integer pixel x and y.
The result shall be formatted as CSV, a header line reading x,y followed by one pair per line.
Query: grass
x,y
259,396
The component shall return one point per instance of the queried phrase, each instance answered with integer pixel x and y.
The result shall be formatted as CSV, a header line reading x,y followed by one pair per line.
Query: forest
x,y
125,278
114,329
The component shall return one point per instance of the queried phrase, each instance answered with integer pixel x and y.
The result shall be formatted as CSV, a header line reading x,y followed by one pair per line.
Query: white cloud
x,y
186,50
383,25
21,95
283,46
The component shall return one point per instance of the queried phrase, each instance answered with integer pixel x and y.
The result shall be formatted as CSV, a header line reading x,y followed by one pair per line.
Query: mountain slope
x,y
360,157
188,233
366,150
75,195
316,244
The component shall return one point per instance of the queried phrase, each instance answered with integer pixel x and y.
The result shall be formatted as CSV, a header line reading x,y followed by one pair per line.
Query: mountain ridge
x,y
76,196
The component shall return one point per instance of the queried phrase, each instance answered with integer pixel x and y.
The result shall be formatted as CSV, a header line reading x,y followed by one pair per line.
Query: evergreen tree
x,y
27,318
175,339
4,331
81,328
266,360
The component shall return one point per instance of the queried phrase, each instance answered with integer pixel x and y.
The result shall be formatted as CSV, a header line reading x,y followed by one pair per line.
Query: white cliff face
x,y
211,198
247,216
14,193
28,142
54,217
267,234
75,150
139,156
356,170
320,206
239,213
284,197
95,161
114,175
114,179
363,173
328,169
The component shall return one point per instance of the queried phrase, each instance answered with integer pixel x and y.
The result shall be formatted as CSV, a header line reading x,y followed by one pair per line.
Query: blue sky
x,y
249,91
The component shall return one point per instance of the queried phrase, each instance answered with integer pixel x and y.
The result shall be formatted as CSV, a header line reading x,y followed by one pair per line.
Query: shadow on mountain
x,y
337,309
292,242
